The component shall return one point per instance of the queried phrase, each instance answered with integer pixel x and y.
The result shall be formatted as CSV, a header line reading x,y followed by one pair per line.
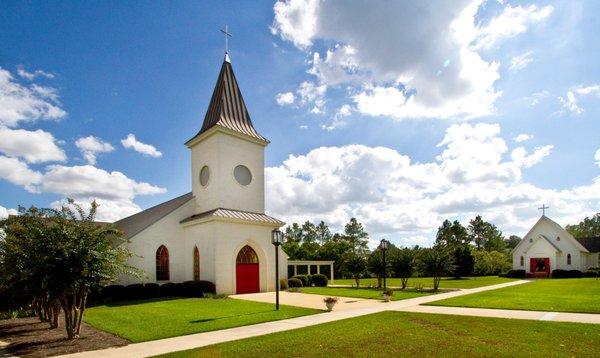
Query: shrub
x,y
319,280
113,293
170,289
295,282
516,274
590,273
151,290
197,288
283,284
304,279
134,291
566,274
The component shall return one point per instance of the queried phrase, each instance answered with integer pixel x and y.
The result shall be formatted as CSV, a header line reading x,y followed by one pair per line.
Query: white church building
x,y
218,232
547,247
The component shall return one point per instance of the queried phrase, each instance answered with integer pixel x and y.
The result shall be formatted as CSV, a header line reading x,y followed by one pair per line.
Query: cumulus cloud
x,y
131,142
284,99
33,146
521,61
312,95
91,146
338,119
588,89
403,60
17,172
522,138
475,173
26,103
4,212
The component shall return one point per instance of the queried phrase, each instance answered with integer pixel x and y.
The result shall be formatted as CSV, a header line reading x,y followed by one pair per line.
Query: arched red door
x,y
246,271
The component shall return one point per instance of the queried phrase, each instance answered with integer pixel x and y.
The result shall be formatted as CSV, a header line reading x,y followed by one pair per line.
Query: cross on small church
x,y
226,34
543,209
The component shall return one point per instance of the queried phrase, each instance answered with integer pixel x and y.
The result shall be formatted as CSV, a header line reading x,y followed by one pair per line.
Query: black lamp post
x,y
276,240
384,245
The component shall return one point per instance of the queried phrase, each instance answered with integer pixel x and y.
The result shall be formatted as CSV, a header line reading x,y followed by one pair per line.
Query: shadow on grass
x,y
139,302
231,316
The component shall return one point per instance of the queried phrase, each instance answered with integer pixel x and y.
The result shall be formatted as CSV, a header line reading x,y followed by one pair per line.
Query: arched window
x,y
568,259
247,255
162,264
196,264
522,261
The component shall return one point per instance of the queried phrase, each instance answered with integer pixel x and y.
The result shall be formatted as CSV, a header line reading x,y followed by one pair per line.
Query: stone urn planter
x,y
330,302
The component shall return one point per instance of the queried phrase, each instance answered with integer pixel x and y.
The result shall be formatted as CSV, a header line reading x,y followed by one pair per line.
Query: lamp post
x,y
384,245
276,240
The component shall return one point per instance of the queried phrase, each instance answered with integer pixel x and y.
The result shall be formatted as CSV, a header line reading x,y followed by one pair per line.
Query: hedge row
x,y
318,280
139,291
514,274
593,272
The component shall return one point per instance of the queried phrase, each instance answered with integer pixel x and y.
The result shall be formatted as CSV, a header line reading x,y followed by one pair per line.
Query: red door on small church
x,y
246,271
539,265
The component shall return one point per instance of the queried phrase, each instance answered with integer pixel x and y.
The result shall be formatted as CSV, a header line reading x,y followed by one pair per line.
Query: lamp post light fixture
x,y
276,240
384,245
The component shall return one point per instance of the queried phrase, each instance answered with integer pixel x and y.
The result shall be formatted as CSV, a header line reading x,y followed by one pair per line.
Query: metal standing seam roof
x,y
227,108
134,224
234,214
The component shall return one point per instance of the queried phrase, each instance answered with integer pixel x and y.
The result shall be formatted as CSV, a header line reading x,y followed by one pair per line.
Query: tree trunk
x,y
379,279
357,279
73,306
404,282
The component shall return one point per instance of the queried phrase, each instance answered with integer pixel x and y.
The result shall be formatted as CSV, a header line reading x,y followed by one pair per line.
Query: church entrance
x,y
246,271
539,265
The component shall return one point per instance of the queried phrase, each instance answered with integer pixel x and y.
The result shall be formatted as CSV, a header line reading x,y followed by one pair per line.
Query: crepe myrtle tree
x,y
436,262
73,255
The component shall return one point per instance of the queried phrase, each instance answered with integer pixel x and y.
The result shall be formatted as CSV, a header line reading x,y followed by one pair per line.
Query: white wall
x,y
222,152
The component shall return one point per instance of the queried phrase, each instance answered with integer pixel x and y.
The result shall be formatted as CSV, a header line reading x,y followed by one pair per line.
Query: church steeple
x,y
227,108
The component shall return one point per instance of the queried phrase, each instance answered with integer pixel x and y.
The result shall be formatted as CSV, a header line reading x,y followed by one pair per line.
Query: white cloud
x,y
17,172
536,97
338,120
32,75
34,146
4,212
284,99
131,142
521,61
510,23
26,103
312,95
91,146
597,157
402,60
406,200
569,102
588,89
522,138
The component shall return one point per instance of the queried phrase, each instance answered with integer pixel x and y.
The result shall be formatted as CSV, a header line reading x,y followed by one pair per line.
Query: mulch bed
x,y
30,338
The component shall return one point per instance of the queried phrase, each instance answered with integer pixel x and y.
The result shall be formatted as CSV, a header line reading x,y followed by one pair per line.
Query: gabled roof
x,y
551,243
234,214
592,244
227,108
132,225
558,227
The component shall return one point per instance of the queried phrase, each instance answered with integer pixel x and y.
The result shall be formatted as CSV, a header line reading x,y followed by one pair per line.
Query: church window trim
x,y
522,261
205,169
196,264
247,255
235,177
162,264
568,259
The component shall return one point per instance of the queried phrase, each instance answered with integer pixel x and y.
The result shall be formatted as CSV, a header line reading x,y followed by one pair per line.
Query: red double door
x,y
247,278
537,265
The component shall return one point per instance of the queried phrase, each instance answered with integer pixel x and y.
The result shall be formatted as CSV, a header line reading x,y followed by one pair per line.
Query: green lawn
x,y
154,319
399,334
563,295
372,293
448,282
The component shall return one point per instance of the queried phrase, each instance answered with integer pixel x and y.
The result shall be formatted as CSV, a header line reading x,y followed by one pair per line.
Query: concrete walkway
x,y
409,305
308,300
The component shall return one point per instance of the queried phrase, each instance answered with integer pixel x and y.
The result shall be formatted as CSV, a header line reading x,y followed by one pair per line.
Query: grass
x,y
146,320
370,293
562,295
447,282
394,334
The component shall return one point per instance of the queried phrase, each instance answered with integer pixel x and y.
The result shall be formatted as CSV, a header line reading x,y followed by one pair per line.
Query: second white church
x,y
219,232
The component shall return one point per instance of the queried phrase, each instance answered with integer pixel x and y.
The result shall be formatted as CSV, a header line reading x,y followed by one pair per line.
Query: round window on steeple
x,y
204,175
242,175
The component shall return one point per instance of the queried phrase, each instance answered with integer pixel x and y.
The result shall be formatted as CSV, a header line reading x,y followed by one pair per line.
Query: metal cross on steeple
x,y
543,209
226,34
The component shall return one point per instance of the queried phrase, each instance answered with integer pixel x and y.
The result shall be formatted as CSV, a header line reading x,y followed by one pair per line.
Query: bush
x,y
134,291
515,274
319,280
197,288
590,273
566,274
305,279
295,282
171,289
283,284
112,293
151,290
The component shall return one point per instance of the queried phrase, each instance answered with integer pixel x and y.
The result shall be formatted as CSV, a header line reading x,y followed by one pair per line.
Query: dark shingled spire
x,y
227,108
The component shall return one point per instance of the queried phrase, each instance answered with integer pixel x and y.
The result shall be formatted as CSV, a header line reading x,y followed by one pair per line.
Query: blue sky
x,y
401,114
